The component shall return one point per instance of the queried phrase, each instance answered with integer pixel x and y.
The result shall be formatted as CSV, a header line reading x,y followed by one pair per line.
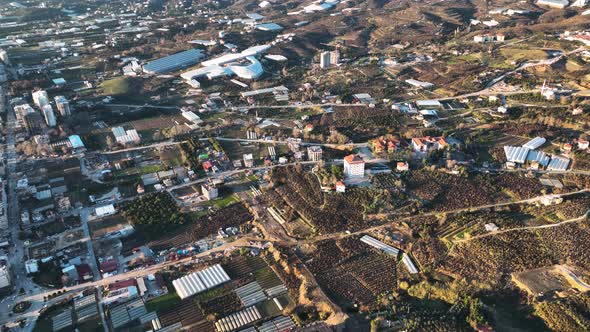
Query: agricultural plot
x,y
445,192
351,271
429,251
492,259
463,225
187,313
221,306
102,226
157,122
326,212
266,278
241,266
234,215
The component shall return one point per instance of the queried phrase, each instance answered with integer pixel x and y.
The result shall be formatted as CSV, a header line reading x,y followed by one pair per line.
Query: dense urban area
x,y
297,165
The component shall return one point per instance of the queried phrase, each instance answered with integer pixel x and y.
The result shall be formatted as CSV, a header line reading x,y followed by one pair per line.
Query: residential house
x,y
210,191
428,143
340,187
354,166
248,160
403,166
314,153
382,145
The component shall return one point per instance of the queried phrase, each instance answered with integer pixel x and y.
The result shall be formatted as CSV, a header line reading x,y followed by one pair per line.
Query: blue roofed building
x,y
173,62
76,142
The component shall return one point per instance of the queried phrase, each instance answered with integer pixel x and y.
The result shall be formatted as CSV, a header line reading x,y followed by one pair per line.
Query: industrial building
x,y
173,62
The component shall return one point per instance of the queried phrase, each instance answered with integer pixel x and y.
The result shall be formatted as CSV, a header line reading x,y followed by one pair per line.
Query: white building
x,y
244,65
4,57
40,98
106,210
63,105
354,166
314,153
325,59
577,3
209,191
31,266
49,115
248,160
553,3
5,280
419,84
125,136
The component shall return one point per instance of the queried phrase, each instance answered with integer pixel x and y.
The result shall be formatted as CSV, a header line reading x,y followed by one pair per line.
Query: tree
x,y
336,171
110,142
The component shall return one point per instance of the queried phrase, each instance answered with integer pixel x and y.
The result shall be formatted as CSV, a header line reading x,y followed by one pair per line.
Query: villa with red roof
x,y
428,143
354,166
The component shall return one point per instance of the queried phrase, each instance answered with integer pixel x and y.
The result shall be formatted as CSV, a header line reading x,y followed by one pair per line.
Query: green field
x,y
116,86
515,54
222,202
163,302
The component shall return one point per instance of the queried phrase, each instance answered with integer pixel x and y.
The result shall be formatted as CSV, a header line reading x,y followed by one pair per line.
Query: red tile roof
x,y
108,266
83,269
353,159
122,284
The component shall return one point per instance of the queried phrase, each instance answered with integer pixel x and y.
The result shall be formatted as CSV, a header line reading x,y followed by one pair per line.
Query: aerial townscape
x,y
297,165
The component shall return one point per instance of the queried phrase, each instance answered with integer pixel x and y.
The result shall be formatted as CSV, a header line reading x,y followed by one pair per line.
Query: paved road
x,y
537,171
246,107
230,139
503,231
84,217
17,255
222,175
37,299
143,147
347,145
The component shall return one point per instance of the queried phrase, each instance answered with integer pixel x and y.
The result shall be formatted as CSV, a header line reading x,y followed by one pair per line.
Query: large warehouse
x,y
200,281
173,62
